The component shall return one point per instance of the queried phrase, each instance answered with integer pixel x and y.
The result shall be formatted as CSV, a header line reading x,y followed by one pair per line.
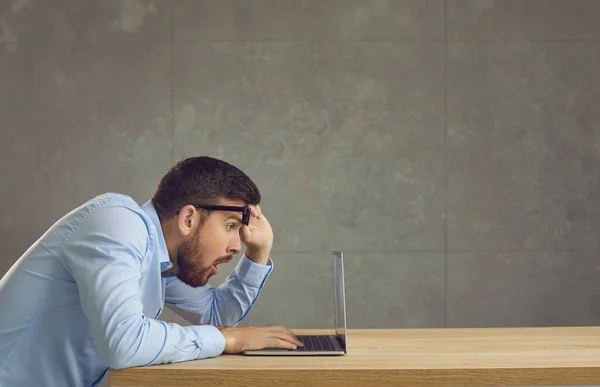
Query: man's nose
x,y
235,246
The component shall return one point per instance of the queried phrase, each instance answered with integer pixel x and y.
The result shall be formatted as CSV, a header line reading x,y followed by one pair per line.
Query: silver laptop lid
x,y
339,297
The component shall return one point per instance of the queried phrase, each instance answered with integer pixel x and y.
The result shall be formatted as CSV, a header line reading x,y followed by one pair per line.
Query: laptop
x,y
322,345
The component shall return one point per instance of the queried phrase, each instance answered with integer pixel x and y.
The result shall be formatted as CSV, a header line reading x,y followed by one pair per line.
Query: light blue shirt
x,y
86,295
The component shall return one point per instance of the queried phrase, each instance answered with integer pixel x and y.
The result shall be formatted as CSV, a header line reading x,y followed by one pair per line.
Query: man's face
x,y
214,242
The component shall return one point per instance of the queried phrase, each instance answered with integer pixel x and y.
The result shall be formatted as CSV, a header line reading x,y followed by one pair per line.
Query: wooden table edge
x,y
533,376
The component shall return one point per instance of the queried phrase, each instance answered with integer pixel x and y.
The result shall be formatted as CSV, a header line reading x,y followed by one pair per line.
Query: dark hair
x,y
202,180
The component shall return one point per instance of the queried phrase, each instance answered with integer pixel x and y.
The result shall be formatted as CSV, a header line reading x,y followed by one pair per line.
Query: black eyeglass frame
x,y
244,210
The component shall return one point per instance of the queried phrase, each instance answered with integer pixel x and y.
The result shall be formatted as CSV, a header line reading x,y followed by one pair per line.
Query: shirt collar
x,y
165,262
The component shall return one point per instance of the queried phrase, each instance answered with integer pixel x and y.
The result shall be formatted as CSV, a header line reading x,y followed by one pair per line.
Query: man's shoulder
x,y
110,201
119,206
113,199
113,215
113,210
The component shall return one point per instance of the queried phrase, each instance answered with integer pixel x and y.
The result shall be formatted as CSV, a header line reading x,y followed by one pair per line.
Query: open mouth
x,y
215,268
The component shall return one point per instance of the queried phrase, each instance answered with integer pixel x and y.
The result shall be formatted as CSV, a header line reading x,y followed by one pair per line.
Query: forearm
x,y
234,299
259,256
227,304
142,342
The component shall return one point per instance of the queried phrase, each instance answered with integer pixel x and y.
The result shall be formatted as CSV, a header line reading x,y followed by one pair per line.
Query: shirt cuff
x,y
251,273
211,341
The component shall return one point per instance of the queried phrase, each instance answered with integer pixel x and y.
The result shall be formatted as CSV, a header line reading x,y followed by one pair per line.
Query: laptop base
x,y
333,347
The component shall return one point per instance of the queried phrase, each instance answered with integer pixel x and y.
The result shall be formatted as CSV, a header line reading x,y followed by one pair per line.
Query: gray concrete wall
x,y
449,148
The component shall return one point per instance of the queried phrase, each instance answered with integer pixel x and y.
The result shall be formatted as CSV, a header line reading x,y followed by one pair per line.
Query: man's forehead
x,y
230,202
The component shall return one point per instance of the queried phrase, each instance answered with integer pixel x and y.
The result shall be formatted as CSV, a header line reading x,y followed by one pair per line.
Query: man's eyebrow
x,y
234,217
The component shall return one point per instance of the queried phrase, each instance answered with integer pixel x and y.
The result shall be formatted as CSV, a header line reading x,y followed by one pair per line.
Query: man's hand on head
x,y
257,236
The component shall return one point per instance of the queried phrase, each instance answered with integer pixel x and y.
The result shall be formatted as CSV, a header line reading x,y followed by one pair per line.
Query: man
x,y
85,297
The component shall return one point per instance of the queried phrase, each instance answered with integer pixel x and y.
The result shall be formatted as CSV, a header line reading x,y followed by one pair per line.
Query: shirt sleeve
x,y
225,305
105,255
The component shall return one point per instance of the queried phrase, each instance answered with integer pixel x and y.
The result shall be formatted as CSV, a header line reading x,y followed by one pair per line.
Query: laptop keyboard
x,y
315,343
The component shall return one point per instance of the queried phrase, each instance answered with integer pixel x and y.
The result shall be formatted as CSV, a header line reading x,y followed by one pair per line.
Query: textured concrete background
x,y
449,148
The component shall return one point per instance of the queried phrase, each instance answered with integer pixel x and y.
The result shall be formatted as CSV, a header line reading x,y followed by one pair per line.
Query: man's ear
x,y
186,220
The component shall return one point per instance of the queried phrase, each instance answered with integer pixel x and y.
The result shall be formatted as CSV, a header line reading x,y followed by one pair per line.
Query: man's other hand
x,y
239,339
257,236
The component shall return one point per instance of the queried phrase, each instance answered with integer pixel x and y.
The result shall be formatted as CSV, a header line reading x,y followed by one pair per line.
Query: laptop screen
x,y
339,296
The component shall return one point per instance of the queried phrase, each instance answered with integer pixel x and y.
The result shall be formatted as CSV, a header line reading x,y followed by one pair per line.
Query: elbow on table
x,y
123,348
120,359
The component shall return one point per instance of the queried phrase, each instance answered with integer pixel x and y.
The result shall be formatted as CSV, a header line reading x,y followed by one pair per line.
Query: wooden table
x,y
403,357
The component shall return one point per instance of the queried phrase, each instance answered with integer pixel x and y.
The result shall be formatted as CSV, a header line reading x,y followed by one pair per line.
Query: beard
x,y
193,269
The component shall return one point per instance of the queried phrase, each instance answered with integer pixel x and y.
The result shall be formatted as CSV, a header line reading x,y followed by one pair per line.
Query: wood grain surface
x,y
411,357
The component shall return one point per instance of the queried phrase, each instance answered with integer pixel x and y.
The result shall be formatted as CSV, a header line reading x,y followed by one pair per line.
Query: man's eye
x,y
230,226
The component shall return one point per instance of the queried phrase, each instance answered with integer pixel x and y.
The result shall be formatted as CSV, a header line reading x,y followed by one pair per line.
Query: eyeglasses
x,y
244,210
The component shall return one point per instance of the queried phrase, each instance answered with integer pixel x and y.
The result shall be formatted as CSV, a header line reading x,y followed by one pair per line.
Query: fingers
x,y
281,328
278,343
256,212
245,233
283,333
